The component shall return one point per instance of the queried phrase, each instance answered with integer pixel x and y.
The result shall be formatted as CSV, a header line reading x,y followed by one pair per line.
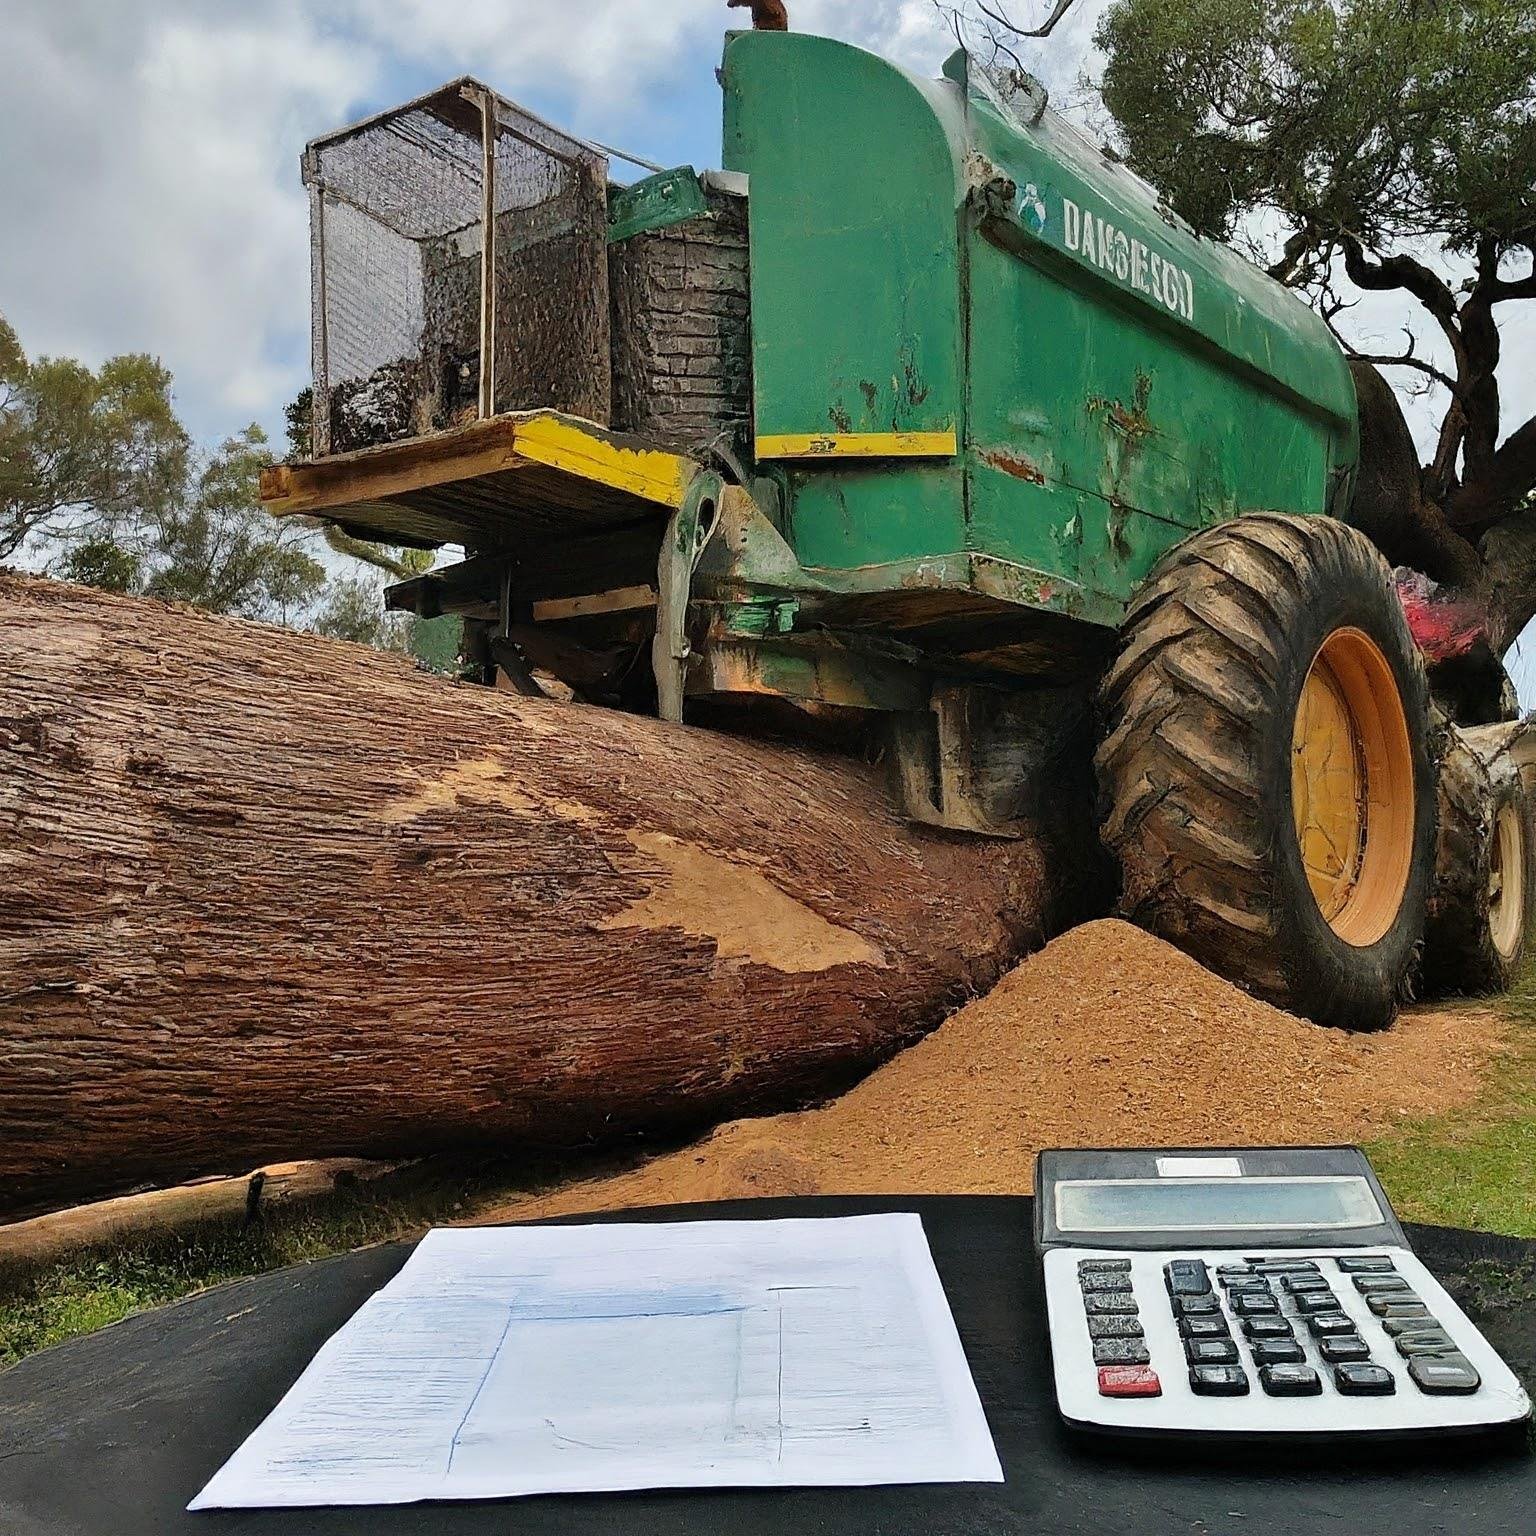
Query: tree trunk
x,y
1485,578
266,896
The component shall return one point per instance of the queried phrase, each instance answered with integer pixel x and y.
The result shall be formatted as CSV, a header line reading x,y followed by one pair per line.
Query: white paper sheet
x,y
511,1361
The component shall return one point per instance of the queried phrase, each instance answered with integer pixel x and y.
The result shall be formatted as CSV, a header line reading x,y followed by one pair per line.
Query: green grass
x,y
1475,1167
46,1303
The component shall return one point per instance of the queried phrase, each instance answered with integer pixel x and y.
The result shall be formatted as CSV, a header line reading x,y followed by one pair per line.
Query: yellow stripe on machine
x,y
560,443
858,445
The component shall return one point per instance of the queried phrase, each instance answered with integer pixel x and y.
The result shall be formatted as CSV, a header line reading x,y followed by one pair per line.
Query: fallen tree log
x,y
266,896
25,1244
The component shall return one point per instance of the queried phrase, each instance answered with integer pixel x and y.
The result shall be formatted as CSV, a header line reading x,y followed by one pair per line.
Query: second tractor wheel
x,y
1479,911
1266,777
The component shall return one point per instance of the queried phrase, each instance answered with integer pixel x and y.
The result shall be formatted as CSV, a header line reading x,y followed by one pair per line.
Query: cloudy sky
x,y
151,165
149,178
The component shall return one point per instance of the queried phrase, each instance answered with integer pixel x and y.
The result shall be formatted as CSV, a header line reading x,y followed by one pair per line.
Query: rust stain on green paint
x,y
1015,464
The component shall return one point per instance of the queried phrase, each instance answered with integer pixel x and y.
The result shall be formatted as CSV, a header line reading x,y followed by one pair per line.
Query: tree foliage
x,y
93,451
354,610
1389,145
100,481
1388,120
219,549
98,560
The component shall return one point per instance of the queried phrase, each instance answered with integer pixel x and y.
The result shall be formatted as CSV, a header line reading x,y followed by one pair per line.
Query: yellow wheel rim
x,y
1352,789
1506,881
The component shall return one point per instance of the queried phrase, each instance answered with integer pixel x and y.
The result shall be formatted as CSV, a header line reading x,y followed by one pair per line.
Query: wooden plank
x,y
563,443
486,472
620,600
373,474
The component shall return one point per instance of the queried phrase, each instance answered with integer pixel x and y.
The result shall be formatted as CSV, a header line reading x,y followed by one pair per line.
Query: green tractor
x,y
925,424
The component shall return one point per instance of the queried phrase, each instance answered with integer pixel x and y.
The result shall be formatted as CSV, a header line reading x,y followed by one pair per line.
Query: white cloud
x,y
610,53
605,54
155,160
908,31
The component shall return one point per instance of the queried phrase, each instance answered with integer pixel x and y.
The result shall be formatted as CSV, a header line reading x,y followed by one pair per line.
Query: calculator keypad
x,y
1278,1352
1129,1381
1364,1380
1453,1374
1346,1347
1296,1336
1290,1380
1120,1352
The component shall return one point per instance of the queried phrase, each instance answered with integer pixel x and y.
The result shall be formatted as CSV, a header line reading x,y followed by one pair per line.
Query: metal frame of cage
x,y
489,172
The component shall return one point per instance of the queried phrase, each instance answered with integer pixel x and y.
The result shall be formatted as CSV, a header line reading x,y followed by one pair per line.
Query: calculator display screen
x,y
1229,1205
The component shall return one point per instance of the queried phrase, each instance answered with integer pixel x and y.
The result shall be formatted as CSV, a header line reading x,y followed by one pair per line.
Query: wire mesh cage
x,y
459,269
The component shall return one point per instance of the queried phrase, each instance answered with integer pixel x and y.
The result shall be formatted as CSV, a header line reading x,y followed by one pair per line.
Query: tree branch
x,y
1500,484
1403,272
1292,252
1002,19
1390,272
1408,358
1499,290
365,550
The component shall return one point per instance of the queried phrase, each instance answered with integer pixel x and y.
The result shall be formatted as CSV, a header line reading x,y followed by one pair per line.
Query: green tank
x,y
985,356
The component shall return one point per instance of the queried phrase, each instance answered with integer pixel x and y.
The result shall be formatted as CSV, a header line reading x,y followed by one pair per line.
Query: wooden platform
x,y
523,476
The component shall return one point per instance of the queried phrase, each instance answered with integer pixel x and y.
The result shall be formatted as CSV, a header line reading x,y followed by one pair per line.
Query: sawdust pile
x,y
1106,1037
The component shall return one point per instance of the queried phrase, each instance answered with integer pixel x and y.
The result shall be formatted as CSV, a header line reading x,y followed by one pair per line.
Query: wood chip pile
x,y
1108,1037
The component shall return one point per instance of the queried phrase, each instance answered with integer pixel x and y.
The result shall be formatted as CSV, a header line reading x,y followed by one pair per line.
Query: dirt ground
x,y
1106,1037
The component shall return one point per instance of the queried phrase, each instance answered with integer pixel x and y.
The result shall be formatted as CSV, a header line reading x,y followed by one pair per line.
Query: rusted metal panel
x,y
974,761
822,674
1114,381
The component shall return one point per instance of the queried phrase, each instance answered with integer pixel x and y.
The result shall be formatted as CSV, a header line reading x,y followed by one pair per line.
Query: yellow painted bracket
x,y
858,445
563,443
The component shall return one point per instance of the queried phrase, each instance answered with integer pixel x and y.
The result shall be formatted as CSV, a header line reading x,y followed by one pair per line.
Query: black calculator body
x,y
1261,1291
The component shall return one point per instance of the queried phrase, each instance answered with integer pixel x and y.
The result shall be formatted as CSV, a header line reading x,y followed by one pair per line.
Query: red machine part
x,y
1443,625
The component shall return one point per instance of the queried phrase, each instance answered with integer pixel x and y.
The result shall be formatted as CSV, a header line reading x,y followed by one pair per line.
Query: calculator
x,y
1251,1292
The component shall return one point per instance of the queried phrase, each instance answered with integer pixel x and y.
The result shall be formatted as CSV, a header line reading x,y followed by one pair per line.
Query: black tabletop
x,y
111,1435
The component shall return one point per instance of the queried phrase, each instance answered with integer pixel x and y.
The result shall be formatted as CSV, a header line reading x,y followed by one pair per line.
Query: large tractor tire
x,y
1480,908
1266,777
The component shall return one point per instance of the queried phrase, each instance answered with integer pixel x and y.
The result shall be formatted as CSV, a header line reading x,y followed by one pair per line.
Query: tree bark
x,y
1390,505
267,896
1488,571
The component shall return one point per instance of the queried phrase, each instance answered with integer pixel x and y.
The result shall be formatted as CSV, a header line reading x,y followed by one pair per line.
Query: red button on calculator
x,y
1129,1381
